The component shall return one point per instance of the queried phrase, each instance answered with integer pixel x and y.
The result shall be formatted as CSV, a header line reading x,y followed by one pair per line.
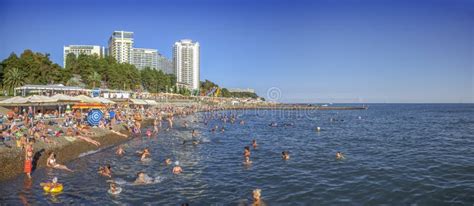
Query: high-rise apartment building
x,y
82,49
186,63
143,58
120,46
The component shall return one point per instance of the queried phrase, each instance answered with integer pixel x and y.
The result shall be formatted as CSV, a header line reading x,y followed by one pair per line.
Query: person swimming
x,y
246,151
142,178
285,155
144,154
167,161
339,156
273,124
256,194
105,171
114,189
194,133
148,133
120,151
177,169
254,143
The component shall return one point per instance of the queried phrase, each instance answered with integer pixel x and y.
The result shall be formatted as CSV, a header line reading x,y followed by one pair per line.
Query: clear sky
x,y
312,51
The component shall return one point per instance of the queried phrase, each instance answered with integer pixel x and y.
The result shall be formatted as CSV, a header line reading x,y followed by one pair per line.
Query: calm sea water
x,y
396,154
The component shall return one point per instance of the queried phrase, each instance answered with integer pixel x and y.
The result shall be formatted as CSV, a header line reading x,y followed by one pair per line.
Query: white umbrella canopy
x,y
65,98
87,99
40,99
14,100
104,100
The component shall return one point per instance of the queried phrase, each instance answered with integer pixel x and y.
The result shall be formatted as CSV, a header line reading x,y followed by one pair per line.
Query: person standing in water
x,y
254,143
285,155
177,169
28,165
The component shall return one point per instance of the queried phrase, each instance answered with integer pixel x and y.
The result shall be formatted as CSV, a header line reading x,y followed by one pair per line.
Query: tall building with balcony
x,y
143,58
82,49
121,45
186,63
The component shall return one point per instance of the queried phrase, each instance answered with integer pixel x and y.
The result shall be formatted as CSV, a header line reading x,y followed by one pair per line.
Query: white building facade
x,y
186,63
121,45
143,58
82,49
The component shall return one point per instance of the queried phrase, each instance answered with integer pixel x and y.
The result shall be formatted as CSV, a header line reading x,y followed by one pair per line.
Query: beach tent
x,y
65,98
86,99
104,100
14,100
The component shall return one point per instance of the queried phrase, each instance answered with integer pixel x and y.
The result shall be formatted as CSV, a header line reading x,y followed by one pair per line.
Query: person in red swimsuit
x,y
28,159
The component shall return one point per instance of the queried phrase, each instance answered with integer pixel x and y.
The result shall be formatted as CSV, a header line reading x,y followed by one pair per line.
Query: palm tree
x,y
94,77
13,78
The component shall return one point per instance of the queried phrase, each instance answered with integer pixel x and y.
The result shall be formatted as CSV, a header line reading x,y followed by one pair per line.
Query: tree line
x,y
92,71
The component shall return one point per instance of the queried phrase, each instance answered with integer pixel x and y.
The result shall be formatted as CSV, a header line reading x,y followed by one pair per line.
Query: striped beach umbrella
x,y
94,117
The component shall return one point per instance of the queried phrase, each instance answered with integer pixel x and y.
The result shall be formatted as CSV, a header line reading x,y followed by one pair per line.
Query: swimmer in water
x,y
105,171
285,155
144,154
246,151
120,151
141,178
273,124
256,194
222,129
177,169
194,133
185,124
254,143
167,161
339,156
53,184
242,122
113,188
148,133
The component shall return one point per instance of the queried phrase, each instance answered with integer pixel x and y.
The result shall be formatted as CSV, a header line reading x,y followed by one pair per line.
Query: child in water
x,y
53,184
167,161
339,156
285,155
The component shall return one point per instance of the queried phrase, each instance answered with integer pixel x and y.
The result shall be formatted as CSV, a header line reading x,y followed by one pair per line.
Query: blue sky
x,y
312,51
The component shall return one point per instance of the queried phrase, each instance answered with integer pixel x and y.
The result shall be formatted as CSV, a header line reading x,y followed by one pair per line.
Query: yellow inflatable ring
x,y
58,188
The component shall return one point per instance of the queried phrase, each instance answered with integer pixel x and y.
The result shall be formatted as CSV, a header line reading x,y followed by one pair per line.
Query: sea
x,y
395,154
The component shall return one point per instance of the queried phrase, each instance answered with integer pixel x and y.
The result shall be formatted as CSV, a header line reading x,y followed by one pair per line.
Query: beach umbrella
x,y
94,117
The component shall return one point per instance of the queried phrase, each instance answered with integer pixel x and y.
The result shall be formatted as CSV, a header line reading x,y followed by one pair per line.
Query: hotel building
x,y
186,63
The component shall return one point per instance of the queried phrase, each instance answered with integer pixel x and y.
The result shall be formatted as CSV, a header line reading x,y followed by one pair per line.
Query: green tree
x,y
13,78
94,78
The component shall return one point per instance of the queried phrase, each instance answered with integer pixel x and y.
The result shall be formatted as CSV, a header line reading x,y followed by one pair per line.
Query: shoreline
x,y
13,160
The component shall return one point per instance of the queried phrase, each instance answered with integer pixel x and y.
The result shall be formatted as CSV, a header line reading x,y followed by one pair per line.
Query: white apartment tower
x,y
120,46
186,63
143,58
82,49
